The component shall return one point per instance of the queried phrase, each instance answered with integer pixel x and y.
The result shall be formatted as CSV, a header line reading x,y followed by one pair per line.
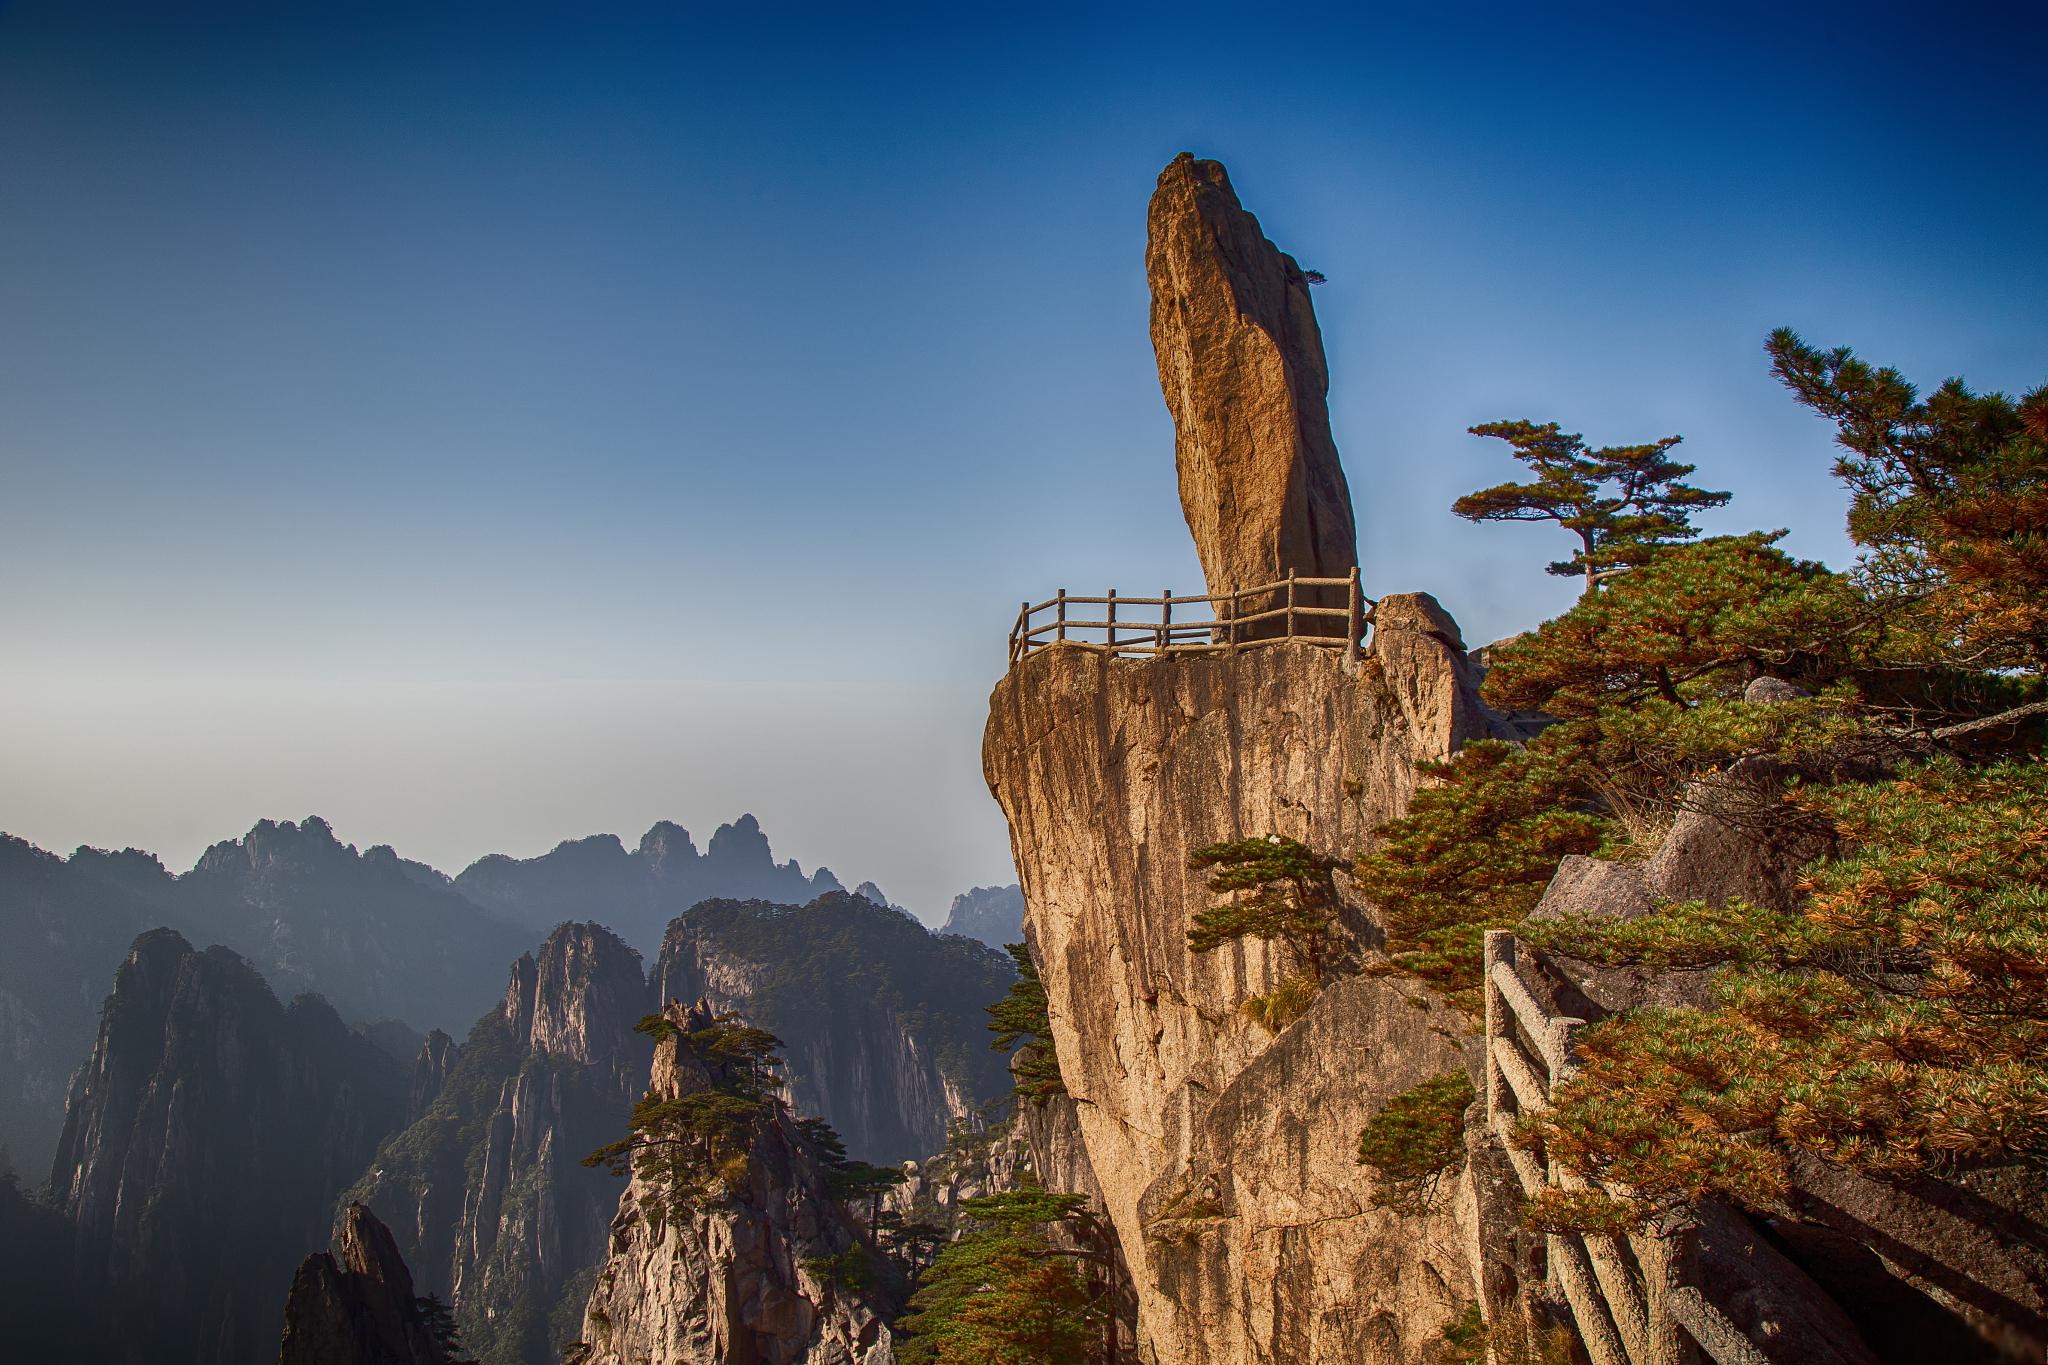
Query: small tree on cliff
x,y
1622,502
1022,1016
1282,890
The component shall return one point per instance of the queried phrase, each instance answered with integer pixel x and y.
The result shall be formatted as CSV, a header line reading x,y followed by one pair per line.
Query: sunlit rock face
x,y
1226,1157
1241,365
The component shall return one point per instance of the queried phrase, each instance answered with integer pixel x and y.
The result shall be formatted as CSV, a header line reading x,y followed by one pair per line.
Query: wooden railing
x,y
1289,608
1630,1296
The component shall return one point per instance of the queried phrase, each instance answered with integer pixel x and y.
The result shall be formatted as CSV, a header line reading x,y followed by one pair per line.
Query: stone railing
x,y
1630,1296
1290,608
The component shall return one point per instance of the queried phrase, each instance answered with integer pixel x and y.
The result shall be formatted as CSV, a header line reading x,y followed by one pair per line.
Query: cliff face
x,y
728,1283
883,1022
1226,1157
485,1190
356,1305
203,1145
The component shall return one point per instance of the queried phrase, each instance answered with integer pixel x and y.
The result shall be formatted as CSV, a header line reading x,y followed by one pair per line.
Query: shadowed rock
x,y
357,1307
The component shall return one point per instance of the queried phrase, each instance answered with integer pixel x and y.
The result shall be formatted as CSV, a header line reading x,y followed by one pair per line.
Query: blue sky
x,y
486,426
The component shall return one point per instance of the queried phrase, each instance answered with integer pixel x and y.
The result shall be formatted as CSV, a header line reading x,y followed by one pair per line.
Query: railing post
x,y
1023,630
1664,1256
1354,619
1165,637
1289,618
1500,949
1062,636
1111,618
1236,610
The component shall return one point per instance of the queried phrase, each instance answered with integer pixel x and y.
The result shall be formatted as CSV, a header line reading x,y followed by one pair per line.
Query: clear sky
x,y
483,426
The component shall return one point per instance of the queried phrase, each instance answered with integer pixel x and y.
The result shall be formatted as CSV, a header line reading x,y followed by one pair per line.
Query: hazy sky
x,y
486,426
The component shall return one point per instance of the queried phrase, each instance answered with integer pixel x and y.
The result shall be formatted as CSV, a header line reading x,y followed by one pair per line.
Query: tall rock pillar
x,y
1241,363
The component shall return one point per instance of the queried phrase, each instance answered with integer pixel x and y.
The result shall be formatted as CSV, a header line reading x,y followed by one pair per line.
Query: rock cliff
x,y
203,1145
1241,364
485,1190
729,1282
1226,1157
355,1306
883,1021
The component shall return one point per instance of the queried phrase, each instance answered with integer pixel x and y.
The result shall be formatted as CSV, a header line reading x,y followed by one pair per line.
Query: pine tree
x,y
1948,498
697,1146
1624,503
1023,1017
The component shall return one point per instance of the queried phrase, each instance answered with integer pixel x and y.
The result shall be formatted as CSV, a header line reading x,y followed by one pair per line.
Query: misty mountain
x,y
638,893
204,1143
381,938
992,914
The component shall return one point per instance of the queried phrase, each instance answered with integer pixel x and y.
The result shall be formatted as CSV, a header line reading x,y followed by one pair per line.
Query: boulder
x,y
1241,364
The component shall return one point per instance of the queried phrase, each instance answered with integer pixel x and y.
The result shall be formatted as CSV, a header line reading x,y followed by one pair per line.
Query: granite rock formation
x,y
1241,364
485,1189
1225,1157
205,1140
729,1282
355,1305
883,1022
990,914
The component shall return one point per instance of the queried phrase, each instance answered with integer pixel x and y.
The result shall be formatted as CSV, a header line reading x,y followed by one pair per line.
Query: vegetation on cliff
x,y
1279,889
1032,1282
1023,1027
696,1145
1885,1010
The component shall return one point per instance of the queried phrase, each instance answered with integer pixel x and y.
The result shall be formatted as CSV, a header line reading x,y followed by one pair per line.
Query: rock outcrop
x,y
990,914
737,1278
883,1022
205,1140
1226,1157
355,1305
1241,364
485,1190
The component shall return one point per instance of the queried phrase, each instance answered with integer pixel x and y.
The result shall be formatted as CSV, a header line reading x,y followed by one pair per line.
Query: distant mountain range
x,y
382,937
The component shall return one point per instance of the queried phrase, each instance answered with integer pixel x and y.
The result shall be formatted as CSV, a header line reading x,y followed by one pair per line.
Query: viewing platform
x,y
1324,611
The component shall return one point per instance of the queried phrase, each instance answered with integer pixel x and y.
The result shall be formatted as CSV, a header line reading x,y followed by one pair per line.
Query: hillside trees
x,y
1888,1015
